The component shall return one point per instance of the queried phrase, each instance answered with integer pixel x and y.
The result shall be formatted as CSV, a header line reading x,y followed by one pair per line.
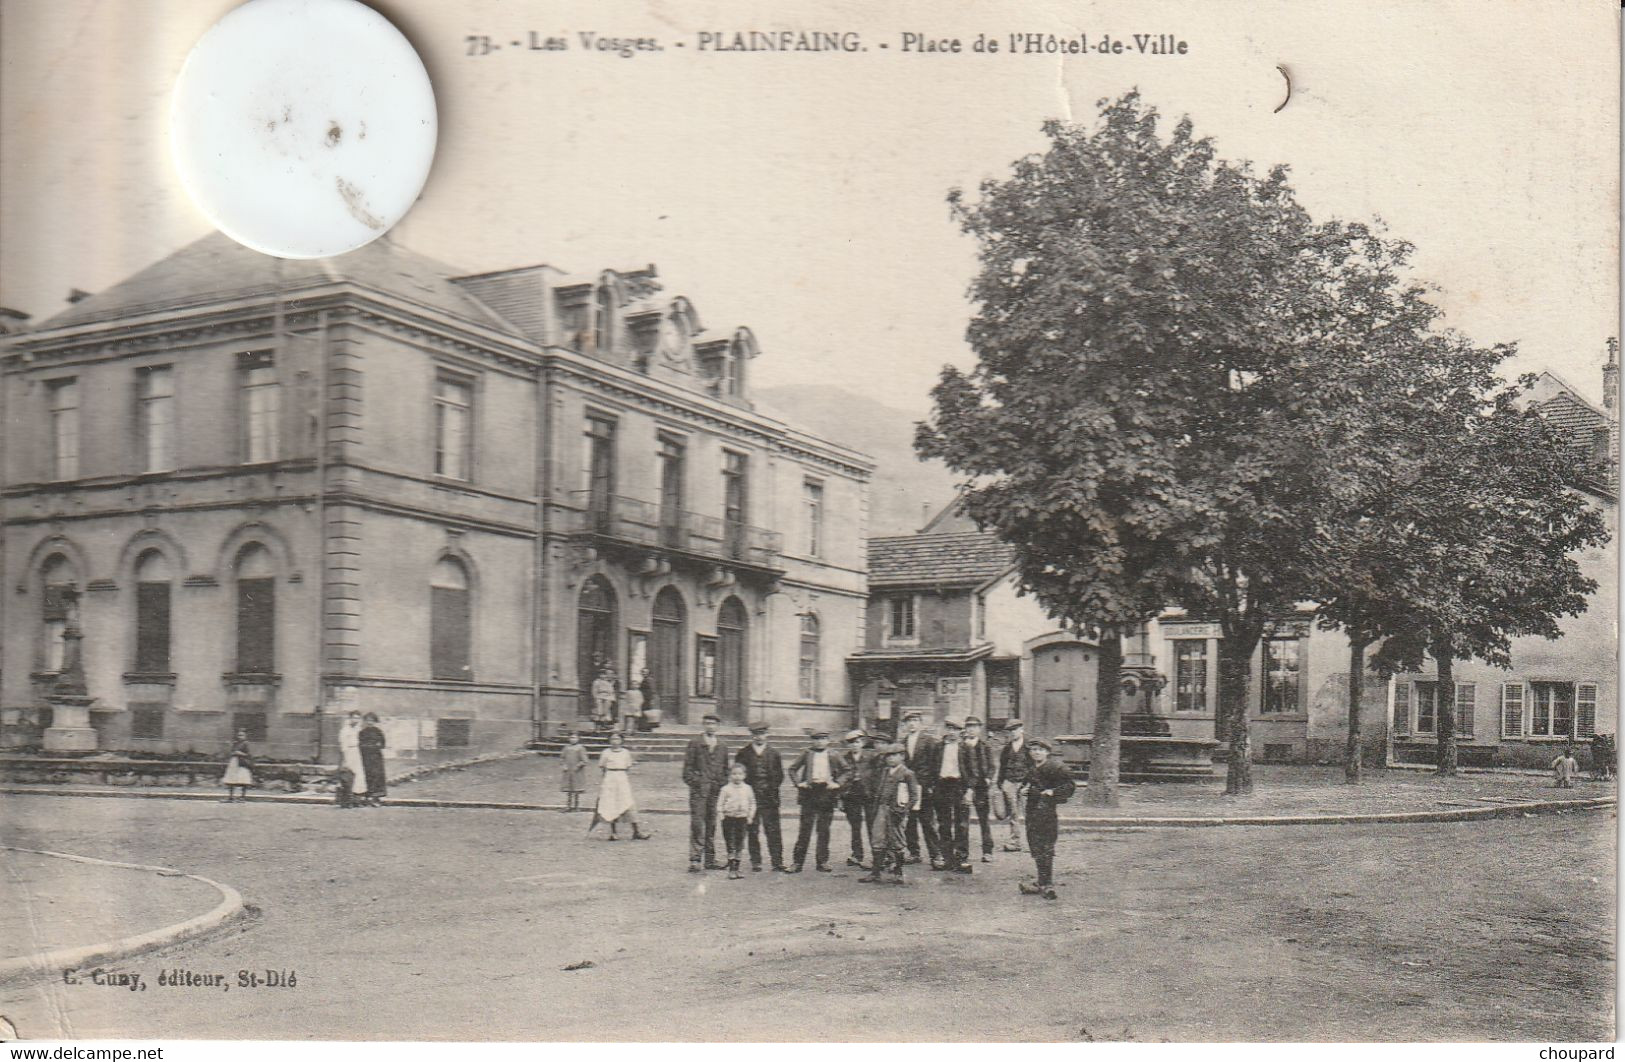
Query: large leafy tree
x,y
1146,422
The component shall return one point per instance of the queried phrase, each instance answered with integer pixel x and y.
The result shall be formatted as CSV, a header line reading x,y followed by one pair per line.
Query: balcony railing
x,y
641,523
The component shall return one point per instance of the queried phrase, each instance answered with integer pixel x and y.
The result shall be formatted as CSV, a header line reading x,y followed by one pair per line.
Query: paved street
x,y
443,924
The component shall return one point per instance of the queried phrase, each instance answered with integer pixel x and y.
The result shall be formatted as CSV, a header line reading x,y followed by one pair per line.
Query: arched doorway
x,y
733,696
595,637
668,641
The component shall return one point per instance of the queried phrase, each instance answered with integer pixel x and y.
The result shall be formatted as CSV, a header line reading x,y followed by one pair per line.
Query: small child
x,y
736,804
575,772
239,769
1565,768
898,791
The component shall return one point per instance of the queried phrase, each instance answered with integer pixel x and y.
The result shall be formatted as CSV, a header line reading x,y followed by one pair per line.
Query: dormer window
x,y
603,319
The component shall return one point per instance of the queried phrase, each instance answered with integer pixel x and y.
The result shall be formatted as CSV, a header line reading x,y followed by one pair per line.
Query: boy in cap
x,y
897,793
818,773
857,796
1049,786
1015,764
764,773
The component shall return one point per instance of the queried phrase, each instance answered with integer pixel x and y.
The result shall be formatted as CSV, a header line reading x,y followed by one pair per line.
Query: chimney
x,y
1610,379
77,295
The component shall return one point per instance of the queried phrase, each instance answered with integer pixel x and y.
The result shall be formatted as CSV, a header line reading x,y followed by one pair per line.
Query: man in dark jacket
x,y
818,773
919,756
858,795
1049,786
705,772
764,773
981,769
961,769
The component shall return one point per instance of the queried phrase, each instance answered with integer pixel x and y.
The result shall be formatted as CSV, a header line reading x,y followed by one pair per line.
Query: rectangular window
x,y
450,634
453,733
146,722
1551,709
1190,675
734,486
256,626
812,493
261,407
1585,717
64,397
673,458
1402,708
156,386
1466,706
600,465
1512,709
152,628
900,620
1426,700
705,667
252,722
1280,676
453,426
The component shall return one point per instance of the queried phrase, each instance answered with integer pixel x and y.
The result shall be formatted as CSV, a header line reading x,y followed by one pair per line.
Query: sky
x,y
804,195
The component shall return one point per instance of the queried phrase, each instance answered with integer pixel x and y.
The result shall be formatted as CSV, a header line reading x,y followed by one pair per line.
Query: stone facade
x,y
271,492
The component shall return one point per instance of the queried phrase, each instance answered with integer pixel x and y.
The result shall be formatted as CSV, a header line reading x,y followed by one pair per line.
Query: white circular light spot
x,y
303,128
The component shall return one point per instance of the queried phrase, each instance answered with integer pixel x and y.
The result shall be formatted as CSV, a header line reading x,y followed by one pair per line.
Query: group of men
x,y
916,792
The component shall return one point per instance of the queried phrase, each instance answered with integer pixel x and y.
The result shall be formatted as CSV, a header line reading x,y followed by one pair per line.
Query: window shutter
x,y
1466,702
1585,715
256,626
1512,709
1402,708
152,628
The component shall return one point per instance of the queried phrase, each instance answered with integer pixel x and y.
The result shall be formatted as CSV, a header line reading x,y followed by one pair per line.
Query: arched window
x,y
809,656
152,601
450,622
58,579
255,576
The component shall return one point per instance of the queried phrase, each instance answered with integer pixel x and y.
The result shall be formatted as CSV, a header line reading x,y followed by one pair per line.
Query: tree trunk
x,y
1352,765
1235,669
1105,749
1444,705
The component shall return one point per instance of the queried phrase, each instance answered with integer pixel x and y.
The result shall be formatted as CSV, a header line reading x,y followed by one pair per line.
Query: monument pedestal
x,y
70,729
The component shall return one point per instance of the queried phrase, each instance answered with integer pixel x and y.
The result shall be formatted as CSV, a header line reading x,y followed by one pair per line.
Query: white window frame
x,y
890,619
812,500
1174,647
453,462
63,396
1466,708
1402,723
157,406
261,409
1551,733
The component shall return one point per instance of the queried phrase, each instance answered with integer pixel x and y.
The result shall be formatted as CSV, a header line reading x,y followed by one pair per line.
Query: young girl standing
x,y
615,801
575,772
239,770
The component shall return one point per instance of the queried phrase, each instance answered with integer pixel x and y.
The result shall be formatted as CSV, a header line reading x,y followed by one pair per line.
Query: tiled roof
x,y
959,557
218,267
1575,418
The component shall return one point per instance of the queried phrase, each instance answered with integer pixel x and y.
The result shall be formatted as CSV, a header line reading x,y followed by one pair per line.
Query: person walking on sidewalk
x,y
1015,764
574,760
764,773
818,773
705,771
1049,786
896,795
615,802
736,803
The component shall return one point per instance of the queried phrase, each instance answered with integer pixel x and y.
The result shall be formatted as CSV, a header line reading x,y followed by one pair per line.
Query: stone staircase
x,y
668,743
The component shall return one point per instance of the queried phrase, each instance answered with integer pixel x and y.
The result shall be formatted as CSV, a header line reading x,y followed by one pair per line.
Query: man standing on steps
x,y
919,756
818,773
705,772
1015,764
764,773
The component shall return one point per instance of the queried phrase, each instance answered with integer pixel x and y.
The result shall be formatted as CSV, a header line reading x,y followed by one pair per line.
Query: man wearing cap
x,y
705,772
919,756
857,796
818,774
764,773
1015,764
1049,786
976,756
951,796
896,794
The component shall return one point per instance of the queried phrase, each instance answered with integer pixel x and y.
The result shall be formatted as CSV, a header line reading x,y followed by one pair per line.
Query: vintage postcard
x,y
825,522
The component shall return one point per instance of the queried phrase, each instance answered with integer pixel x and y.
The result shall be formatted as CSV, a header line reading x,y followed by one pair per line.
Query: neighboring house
x,y
269,491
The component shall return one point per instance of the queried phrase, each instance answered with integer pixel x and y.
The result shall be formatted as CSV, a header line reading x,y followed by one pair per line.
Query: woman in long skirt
x,y
239,769
350,760
615,802
371,741
574,759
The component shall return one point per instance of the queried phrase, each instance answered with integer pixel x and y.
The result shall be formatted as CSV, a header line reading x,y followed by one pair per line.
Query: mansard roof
x,y
217,267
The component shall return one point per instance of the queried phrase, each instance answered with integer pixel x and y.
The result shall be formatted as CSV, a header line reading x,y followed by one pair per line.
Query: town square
x,y
1117,544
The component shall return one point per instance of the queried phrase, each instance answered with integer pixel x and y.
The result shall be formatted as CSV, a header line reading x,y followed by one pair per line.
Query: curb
x,y
29,967
1080,822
